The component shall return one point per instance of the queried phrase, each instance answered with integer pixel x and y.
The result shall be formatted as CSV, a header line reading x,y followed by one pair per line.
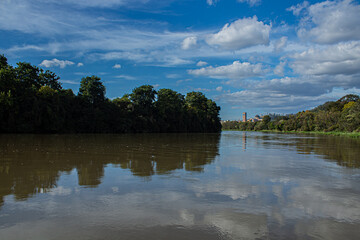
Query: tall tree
x,y
170,106
49,79
92,89
28,76
143,98
203,113
3,61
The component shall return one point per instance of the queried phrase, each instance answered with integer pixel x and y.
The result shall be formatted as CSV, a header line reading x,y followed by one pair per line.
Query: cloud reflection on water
x,y
204,188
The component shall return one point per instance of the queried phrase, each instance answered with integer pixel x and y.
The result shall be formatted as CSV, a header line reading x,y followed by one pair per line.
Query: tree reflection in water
x,y
344,151
30,164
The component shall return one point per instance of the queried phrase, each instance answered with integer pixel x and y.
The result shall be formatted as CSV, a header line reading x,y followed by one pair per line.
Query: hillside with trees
x,y
342,115
33,101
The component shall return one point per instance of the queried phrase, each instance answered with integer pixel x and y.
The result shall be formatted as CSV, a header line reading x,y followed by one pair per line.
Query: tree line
x,y
33,101
342,115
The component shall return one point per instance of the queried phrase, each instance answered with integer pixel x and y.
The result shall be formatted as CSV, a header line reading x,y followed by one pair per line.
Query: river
x,y
233,185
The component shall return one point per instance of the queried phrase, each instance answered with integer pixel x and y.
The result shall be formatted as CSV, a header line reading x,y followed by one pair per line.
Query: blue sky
x,y
257,56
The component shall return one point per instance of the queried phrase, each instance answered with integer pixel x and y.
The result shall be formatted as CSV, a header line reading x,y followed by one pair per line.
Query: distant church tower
x,y
244,117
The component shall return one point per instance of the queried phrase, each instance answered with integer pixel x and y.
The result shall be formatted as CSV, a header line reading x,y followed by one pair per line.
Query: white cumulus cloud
x,y
274,100
236,70
188,43
342,58
240,34
56,63
117,66
331,22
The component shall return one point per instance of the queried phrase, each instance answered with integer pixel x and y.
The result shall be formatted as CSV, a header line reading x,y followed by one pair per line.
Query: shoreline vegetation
x,y
337,118
342,134
33,101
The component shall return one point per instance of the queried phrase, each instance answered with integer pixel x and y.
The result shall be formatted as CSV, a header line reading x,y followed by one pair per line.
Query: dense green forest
x,y
342,115
33,101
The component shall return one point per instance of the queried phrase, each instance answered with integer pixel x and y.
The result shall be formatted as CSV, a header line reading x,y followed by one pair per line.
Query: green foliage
x,y
92,89
50,79
33,101
143,96
170,107
3,62
124,103
203,113
143,114
348,105
28,76
342,115
349,98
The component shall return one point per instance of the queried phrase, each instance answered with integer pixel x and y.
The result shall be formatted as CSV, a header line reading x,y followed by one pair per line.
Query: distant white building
x,y
257,118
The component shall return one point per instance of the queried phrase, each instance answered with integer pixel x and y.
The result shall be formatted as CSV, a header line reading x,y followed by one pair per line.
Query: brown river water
x,y
233,185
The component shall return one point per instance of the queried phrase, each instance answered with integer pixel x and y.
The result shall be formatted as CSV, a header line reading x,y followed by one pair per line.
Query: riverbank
x,y
343,134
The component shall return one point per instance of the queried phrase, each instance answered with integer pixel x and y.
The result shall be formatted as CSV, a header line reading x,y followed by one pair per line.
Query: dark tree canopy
x,y
33,101
171,108
143,98
196,101
203,112
3,61
169,103
143,95
92,89
50,79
